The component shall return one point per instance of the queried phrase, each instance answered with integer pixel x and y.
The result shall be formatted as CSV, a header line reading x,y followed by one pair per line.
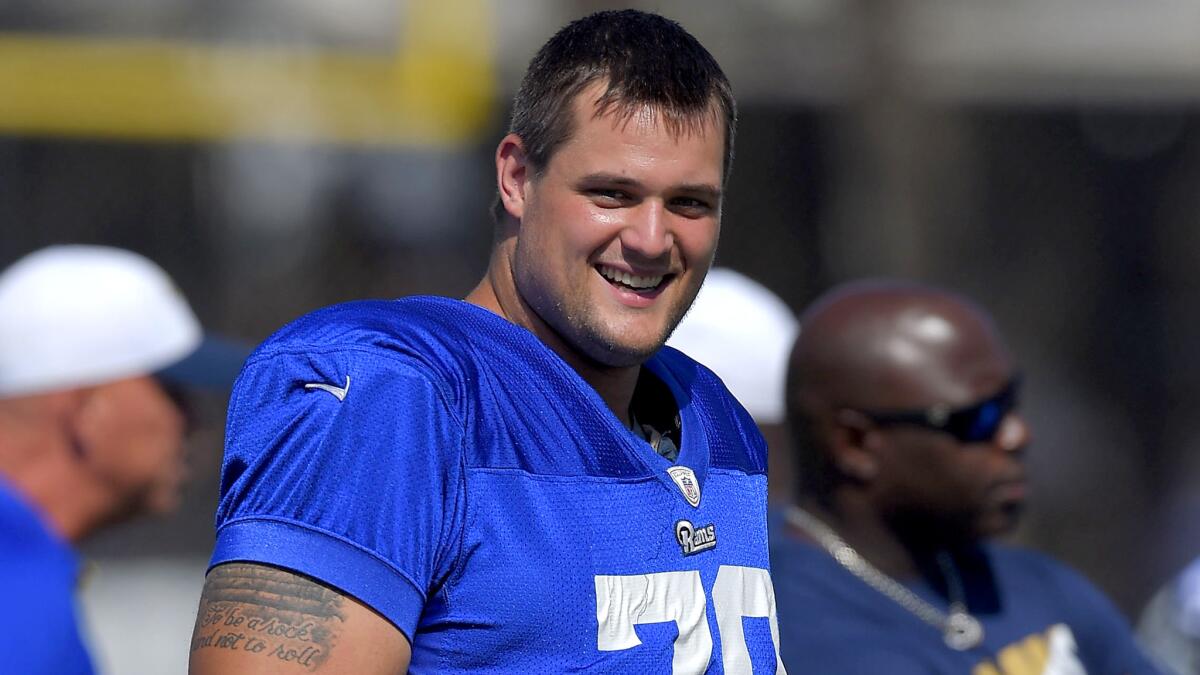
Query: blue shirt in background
x,y
39,631
1039,618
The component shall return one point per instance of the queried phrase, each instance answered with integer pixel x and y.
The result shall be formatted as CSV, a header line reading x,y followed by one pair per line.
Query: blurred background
x,y
275,156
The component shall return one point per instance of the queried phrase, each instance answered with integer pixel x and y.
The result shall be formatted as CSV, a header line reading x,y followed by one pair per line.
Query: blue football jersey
x,y
446,468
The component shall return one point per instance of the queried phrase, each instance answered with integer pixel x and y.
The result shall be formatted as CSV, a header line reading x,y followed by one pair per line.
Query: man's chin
x,y
1001,522
612,355
616,349
150,504
162,501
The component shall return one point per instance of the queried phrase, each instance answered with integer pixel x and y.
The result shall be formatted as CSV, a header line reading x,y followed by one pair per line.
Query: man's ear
x,y
512,172
853,453
64,411
79,407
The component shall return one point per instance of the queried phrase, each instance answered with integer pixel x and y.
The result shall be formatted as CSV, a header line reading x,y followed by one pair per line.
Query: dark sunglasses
x,y
970,424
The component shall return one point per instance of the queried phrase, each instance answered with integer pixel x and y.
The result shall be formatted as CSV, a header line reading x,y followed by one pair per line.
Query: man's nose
x,y
1014,433
647,232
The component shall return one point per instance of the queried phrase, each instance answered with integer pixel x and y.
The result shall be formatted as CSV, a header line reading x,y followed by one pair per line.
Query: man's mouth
x,y
1015,490
634,282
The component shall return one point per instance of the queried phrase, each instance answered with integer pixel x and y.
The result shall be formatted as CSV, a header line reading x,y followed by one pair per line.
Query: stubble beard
x,y
583,329
591,336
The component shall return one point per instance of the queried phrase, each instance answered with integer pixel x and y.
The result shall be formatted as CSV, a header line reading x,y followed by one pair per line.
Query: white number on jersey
x,y
623,601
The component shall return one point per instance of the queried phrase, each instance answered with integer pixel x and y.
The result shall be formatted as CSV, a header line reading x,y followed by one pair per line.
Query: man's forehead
x,y
597,102
632,146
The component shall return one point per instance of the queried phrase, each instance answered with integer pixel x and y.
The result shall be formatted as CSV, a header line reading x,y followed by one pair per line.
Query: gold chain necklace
x,y
960,630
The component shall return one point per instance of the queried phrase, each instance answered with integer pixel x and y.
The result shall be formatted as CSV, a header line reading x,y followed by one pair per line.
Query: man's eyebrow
x,y
701,189
609,178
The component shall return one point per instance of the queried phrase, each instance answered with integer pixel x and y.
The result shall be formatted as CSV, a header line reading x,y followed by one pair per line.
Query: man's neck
x,y
864,530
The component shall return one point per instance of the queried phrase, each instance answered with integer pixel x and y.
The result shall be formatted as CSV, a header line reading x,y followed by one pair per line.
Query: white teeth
x,y
646,282
631,280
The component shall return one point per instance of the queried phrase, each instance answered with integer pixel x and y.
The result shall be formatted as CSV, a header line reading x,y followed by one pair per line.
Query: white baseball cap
x,y
76,315
744,333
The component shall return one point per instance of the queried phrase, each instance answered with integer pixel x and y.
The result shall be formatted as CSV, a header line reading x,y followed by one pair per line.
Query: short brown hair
x,y
646,59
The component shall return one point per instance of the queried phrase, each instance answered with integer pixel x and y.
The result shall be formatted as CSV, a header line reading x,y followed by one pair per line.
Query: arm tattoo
x,y
262,610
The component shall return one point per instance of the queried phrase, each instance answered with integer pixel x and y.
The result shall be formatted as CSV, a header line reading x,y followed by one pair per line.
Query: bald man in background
x,y
903,400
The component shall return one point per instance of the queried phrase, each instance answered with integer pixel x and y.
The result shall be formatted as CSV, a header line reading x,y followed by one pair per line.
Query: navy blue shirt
x,y
1039,618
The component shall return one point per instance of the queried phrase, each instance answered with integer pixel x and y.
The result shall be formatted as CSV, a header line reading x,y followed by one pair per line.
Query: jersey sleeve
x,y
344,465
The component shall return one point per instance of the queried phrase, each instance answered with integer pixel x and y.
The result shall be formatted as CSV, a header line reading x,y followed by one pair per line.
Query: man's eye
x,y
690,206
610,194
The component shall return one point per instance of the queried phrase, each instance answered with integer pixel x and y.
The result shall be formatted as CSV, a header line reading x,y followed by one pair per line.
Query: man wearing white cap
x,y
92,341
744,333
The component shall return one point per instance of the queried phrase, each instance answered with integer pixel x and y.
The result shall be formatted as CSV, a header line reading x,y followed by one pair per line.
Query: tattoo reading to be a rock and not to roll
x,y
269,612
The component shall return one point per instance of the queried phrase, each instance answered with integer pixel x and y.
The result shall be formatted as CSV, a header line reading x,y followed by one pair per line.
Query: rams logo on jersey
x,y
692,539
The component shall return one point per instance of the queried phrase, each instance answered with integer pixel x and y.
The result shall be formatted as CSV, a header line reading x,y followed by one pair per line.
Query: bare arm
x,y
259,620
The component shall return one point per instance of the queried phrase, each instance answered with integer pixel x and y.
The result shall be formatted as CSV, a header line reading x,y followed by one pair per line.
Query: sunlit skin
x,y
95,455
624,195
130,437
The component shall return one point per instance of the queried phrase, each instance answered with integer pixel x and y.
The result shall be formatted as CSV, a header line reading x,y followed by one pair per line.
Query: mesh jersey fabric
x,y
39,635
1039,618
476,492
